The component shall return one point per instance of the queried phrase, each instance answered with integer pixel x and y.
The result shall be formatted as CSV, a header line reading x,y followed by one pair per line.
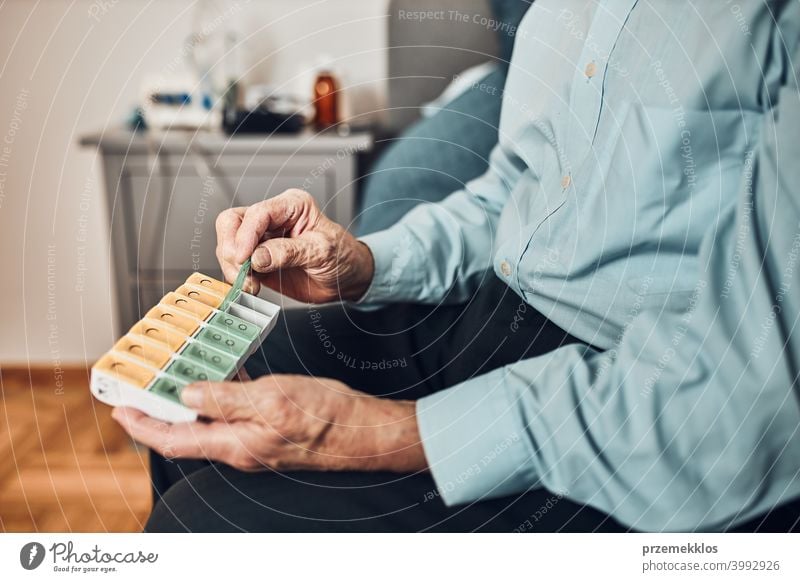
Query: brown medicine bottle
x,y
326,100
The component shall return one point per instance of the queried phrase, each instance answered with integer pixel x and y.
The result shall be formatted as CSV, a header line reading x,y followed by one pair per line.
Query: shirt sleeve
x,y
693,420
440,251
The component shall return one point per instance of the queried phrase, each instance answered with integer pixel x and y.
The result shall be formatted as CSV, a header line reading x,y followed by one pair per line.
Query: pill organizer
x,y
201,331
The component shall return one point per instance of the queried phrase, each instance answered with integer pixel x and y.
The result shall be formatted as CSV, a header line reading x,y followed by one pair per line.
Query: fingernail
x,y
264,259
192,396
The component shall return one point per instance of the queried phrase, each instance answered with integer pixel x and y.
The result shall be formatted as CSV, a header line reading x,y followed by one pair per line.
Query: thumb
x,y
285,253
229,401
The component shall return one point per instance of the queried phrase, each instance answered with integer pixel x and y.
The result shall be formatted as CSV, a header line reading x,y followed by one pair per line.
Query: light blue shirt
x,y
645,197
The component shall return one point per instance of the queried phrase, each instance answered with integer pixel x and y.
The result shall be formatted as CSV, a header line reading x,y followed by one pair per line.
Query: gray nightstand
x,y
165,190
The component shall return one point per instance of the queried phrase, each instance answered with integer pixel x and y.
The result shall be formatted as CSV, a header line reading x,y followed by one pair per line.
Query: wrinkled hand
x,y
286,423
295,249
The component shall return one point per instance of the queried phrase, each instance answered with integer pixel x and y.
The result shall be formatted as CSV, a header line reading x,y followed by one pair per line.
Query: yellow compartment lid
x,y
194,292
125,370
182,302
209,283
136,347
160,332
174,317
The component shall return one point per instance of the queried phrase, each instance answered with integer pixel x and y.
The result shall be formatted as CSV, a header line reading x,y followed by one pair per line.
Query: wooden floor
x,y
65,466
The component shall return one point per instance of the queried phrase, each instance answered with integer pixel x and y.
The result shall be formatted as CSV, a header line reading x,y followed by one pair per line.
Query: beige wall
x,y
71,67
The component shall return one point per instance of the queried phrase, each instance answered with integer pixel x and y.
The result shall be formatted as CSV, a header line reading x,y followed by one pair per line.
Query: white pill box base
x,y
114,391
110,390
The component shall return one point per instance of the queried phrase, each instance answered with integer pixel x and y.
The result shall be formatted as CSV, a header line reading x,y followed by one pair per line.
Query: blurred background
x,y
69,68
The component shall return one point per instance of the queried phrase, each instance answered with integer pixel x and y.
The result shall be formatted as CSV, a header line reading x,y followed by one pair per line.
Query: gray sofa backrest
x,y
425,54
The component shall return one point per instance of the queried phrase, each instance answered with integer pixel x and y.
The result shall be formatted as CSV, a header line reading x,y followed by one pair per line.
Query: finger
x,y
229,401
227,224
190,440
251,284
286,253
231,272
291,210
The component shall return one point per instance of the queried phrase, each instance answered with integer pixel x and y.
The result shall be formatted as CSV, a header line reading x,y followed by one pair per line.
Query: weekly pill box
x,y
189,336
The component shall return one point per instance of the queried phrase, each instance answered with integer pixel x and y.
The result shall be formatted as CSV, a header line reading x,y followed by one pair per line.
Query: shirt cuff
x,y
393,250
475,442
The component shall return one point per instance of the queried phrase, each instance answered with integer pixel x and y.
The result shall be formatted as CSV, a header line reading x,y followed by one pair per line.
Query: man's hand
x,y
287,423
296,250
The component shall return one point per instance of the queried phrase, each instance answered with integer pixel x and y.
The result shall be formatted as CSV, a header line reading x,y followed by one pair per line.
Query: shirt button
x,y
566,181
590,69
505,268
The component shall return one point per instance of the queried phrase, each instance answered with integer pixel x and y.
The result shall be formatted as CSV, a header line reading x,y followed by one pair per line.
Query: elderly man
x,y
597,334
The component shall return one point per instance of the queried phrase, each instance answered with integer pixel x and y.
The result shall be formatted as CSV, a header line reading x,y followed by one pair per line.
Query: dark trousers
x,y
400,351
